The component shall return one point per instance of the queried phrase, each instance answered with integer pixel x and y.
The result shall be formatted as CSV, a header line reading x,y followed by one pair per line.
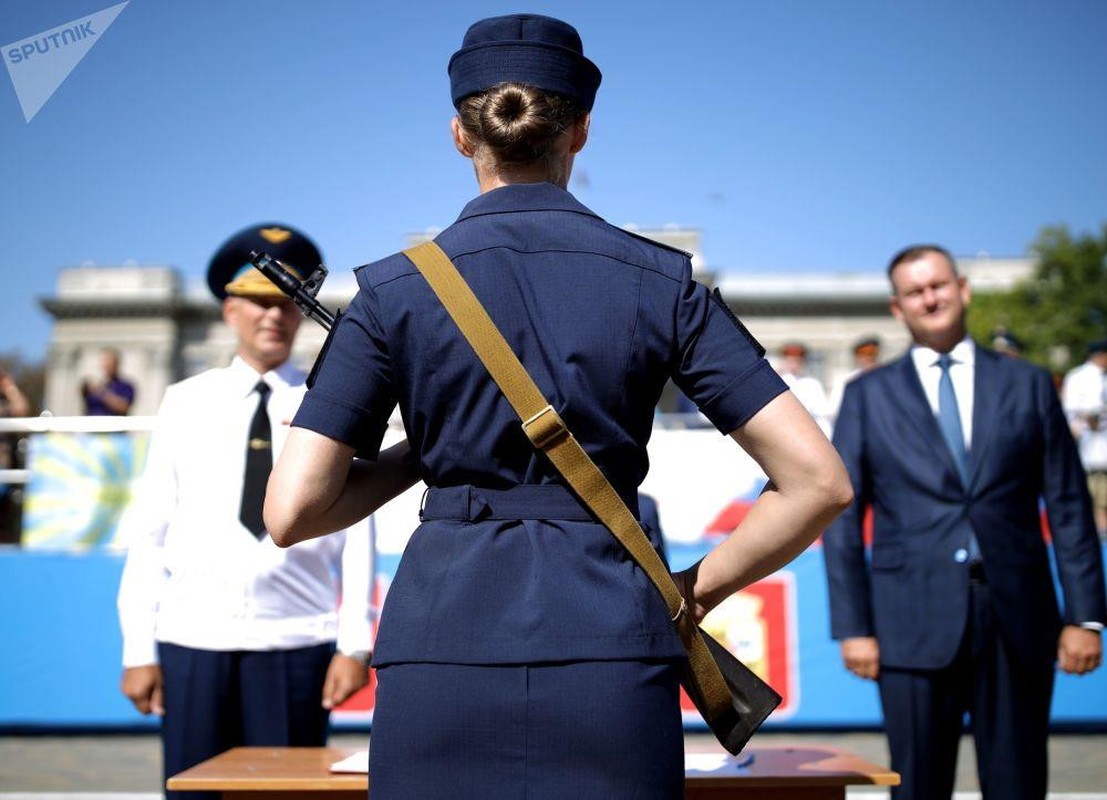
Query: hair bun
x,y
519,122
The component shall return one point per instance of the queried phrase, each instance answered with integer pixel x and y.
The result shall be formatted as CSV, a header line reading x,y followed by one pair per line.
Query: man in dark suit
x,y
953,445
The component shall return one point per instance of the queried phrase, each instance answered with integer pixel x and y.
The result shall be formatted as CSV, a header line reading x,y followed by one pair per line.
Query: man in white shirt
x,y
1082,392
229,638
1083,397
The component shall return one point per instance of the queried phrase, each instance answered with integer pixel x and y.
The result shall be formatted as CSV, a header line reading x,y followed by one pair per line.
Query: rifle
x,y
302,293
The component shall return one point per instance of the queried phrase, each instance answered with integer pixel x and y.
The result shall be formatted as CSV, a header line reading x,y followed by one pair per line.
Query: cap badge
x,y
275,235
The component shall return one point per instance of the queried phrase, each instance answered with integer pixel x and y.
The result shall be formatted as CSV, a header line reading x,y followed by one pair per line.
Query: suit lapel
x,y
908,394
985,407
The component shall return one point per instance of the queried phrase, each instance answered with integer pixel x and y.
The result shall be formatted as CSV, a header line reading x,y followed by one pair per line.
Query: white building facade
x,y
167,329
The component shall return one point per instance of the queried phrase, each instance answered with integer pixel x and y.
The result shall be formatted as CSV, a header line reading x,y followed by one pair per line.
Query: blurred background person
x,y
1084,398
1082,391
866,355
809,390
1092,443
13,403
110,394
1005,342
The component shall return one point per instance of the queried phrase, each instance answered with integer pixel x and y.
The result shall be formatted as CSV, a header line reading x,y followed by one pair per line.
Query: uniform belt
x,y
475,503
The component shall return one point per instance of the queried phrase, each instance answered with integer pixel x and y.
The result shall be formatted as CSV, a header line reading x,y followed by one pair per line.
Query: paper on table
x,y
358,762
713,763
716,763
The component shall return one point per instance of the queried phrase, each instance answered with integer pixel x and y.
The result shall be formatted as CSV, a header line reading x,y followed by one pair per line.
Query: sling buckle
x,y
545,428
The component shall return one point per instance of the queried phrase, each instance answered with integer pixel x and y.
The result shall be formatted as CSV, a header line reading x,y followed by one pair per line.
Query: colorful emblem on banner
x,y
80,484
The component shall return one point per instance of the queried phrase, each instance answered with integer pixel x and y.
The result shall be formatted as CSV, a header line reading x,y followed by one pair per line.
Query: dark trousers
x,y
598,729
1006,698
218,700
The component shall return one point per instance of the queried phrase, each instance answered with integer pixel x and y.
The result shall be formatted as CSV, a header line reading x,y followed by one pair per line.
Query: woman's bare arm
x,y
318,487
808,487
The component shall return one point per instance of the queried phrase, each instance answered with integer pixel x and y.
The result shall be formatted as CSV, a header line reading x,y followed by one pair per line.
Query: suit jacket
x,y
912,594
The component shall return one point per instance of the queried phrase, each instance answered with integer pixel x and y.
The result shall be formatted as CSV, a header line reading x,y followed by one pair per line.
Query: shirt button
x,y
961,556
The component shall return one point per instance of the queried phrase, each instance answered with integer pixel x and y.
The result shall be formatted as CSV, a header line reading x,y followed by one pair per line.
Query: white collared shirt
x,y
960,372
1082,391
195,576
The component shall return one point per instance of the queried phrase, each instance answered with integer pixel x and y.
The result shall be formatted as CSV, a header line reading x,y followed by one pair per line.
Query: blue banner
x,y
62,647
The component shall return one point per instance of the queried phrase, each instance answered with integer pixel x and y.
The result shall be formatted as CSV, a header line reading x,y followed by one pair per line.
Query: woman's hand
x,y
685,581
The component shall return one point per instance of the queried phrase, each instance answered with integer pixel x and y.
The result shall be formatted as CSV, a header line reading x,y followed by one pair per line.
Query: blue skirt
x,y
585,729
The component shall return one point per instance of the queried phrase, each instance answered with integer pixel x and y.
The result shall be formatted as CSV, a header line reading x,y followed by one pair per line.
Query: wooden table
x,y
303,773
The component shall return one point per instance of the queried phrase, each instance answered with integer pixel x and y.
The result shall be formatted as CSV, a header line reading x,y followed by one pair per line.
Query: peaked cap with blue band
x,y
232,272
523,48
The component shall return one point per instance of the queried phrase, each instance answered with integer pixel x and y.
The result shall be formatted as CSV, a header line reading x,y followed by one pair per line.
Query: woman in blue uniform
x,y
521,651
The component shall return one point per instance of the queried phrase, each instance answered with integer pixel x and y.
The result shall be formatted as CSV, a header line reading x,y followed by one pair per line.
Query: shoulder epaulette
x,y
654,242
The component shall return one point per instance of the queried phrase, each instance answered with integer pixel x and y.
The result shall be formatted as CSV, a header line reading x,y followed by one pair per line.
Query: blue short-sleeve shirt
x,y
601,319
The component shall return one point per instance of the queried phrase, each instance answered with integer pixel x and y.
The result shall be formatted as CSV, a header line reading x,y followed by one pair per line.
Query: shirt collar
x,y
964,352
523,197
246,377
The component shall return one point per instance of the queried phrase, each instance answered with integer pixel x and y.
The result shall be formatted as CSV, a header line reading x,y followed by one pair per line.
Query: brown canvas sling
x,y
733,705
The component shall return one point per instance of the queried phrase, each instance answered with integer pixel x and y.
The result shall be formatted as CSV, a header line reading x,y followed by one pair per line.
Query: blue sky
x,y
798,135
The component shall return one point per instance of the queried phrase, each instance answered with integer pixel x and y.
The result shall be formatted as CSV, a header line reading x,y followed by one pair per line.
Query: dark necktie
x,y
949,420
259,463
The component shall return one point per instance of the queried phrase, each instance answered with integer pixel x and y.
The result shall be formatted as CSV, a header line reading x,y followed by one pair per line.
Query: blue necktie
x,y
949,420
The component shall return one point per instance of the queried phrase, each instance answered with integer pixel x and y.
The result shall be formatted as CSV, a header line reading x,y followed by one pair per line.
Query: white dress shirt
x,y
195,576
1083,395
1082,391
963,357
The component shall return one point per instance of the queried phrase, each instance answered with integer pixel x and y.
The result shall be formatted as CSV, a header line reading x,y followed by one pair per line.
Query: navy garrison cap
x,y
232,272
523,48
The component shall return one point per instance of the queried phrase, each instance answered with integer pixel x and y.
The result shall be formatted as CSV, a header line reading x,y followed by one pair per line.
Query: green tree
x,y
1060,308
